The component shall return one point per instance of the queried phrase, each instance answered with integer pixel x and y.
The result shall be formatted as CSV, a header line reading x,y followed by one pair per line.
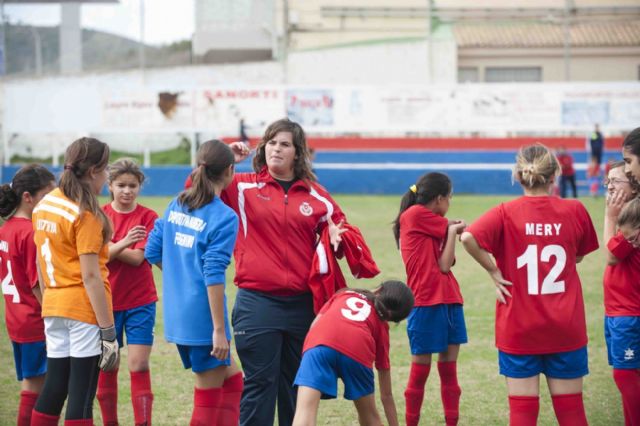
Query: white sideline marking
x,y
423,166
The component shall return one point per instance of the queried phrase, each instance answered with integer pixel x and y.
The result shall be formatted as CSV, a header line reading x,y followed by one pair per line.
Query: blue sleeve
x,y
153,250
219,250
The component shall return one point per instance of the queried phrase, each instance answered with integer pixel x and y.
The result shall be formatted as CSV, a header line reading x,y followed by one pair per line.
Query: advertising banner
x,y
50,106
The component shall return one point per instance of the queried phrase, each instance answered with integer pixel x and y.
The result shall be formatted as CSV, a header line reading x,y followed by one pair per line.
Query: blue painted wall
x,y
332,174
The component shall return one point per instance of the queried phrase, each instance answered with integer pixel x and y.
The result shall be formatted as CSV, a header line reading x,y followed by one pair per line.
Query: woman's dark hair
x,y
393,300
302,163
212,159
427,189
632,142
82,157
30,178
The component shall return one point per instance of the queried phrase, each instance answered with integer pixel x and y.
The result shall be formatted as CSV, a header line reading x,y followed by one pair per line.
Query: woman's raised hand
x,y
240,150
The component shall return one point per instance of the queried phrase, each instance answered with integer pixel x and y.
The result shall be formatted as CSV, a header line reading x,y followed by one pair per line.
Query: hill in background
x,y
101,51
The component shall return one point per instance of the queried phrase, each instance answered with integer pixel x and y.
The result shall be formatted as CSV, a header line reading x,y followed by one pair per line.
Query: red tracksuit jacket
x,y
278,232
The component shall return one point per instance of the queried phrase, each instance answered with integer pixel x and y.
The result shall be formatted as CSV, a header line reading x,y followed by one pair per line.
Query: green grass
x,y
178,155
484,397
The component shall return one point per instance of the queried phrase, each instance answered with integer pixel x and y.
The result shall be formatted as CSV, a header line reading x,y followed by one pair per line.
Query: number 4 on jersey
x,y
530,259
8,286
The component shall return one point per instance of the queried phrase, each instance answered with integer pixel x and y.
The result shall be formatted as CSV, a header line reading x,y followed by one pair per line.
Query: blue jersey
x,y
195,249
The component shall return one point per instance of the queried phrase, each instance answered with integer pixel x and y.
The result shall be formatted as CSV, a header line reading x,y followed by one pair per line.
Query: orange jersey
x,y
62,234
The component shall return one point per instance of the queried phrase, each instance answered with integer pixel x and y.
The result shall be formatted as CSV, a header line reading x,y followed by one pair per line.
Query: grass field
x,y
484,396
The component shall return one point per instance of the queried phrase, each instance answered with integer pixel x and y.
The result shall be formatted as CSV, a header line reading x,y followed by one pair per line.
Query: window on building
x,y
467,75
509,74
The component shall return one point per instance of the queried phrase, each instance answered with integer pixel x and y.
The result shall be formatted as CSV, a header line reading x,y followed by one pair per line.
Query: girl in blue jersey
x,y
192,244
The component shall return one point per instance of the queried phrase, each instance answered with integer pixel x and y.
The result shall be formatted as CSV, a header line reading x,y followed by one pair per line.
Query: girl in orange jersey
x,y
20,281
72,235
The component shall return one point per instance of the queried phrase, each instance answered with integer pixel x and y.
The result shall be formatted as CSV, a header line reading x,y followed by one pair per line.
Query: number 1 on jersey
x,y
47,256
530,259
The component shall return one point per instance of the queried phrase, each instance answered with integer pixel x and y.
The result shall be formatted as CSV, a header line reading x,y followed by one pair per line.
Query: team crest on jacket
x,y
306,209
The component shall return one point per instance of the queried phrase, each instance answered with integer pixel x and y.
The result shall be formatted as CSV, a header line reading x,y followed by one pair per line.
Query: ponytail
x,y
393,300
83,156
31,178
536,166
428,188
213,158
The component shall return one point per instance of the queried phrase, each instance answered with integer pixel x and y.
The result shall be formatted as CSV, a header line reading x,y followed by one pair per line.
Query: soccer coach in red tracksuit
x,y
282,210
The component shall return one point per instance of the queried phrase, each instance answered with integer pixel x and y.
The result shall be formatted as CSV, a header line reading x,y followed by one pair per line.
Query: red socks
x,y
523,410
41,419
229,414
569,409
107,395
141,397
628,382
79,422
27,402
449,391
414,394
206,403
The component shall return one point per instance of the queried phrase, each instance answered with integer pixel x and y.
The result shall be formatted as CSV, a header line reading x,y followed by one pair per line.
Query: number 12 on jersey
x,y
529,259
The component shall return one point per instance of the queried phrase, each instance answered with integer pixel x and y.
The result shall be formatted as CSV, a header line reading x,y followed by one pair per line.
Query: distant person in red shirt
x,y
593,177
22,296
568,175
350,335
133,290
427,241
537,241
621,290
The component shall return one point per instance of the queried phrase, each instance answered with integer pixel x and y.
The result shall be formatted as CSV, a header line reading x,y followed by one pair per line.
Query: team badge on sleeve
x,y
306,209
629,354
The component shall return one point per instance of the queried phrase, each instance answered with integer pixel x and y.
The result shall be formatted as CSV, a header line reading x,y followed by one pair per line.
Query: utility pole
x,y
3,44
141,52
285,41
37,49
429,42
566,31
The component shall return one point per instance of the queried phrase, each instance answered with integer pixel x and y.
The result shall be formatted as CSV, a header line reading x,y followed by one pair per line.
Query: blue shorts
x,y
432,329
320,368
559,365
622,335
137,323
199,358
30,359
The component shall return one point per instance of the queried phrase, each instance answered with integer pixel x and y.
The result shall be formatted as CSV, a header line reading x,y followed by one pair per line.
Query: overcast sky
x,y
165,20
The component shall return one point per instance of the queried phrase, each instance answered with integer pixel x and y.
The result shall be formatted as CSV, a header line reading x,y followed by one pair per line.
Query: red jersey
x,y
622,280
18,272
131,286
566,164
535,241
350,324
422,238
278,232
